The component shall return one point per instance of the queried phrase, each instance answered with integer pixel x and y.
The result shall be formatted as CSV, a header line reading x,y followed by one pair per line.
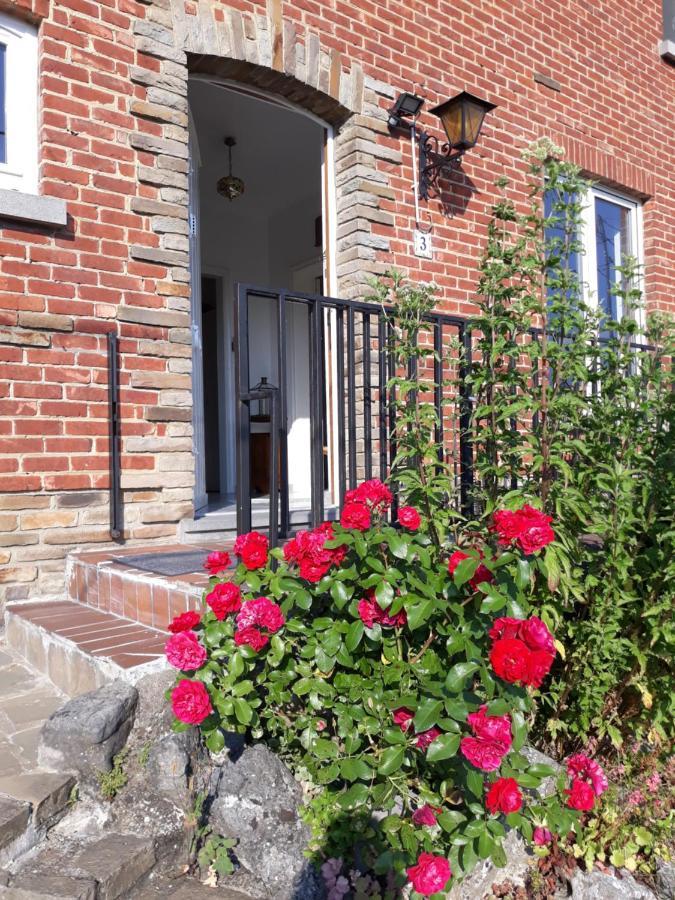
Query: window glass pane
x,y
3,137
561,241
612,241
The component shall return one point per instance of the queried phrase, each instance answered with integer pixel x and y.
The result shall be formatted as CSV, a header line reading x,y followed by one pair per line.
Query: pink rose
x,y
430,875
536,635
190,702
224,599
424,738
355,515
491,728
485,755
252,637
504,796
184,651
542,836
409,518
217,562
424,815
491,742
403,717
587,769
185,622
263,613
252,549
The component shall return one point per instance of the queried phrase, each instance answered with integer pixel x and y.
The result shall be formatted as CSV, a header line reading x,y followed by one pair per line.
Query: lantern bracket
x,y
435,158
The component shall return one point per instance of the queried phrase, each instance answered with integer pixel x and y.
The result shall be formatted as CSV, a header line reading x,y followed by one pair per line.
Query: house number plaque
x,y
422,244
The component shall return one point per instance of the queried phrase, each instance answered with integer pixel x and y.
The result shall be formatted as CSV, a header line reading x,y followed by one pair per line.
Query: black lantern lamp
x,y
462,118
407,106
229,185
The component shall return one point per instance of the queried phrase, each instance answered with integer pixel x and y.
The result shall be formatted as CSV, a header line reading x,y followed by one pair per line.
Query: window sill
x,y
32,208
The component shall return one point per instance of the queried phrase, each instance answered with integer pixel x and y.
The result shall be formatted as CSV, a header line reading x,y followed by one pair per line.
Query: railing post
x,y
274,471
465,415
282,414
316,387
115,490
242,411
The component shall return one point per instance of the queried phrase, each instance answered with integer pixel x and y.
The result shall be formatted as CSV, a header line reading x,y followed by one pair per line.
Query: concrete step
x,y
79,648
30,804
98,579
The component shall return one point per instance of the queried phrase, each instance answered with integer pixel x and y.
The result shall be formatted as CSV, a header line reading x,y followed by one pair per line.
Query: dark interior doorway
x,y
210,299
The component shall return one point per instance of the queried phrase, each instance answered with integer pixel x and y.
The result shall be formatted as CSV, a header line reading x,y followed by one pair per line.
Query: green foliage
x,y
212,852
323,694
578,418
112,782
144,753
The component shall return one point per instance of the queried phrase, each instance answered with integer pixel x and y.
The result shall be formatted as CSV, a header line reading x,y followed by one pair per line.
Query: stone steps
x,y
79,648
30,804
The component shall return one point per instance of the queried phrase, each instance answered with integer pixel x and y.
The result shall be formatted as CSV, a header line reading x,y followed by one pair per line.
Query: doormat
x,y
179,562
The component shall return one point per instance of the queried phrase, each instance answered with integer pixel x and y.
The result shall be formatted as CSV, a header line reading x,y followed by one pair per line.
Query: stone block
x,y
144,315
597,885
151,144
169,349
89,730
156,208
14,816
159,380
168,414
46,792
24,501
38,886
22,338
78,499
117,862
76,536
157,255
49,321
158,112
161,177
48,519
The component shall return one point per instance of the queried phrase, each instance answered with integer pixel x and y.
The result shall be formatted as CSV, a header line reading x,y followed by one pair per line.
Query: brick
x,y
48,519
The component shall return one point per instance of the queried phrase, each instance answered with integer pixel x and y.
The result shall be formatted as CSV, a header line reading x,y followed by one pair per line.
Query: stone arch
x,y
267,51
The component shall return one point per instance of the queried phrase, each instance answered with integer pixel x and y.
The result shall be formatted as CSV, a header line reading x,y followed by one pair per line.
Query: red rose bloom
x,y
252,637
355,515
581,766
224,599
528,527
261,612
504,796
536,635
430,875
509,658
403,717
491,728
482,573
409,518
217,562
185,621
371,613
190,702
184,651
491,742
538,666
505,627
485,755
542,836
308,551
581,796
424,738
252,549
373,493
425,815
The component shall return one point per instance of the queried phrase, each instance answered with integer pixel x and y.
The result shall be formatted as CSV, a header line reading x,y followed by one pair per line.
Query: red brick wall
x,y
113,267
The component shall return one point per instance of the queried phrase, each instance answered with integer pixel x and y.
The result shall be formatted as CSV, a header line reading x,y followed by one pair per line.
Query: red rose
x,y
581,766
510,658
491,728
491,742
581,796
252,549
505,627
538,666
535,634
409,518
403,717
217,562
371,613
224,599
261,612
485,755
190,702
504,796
355,515
252,637
425,815
184,651
373,493
430,875
185,621
528,527
424,738
542,836
482,573
308,551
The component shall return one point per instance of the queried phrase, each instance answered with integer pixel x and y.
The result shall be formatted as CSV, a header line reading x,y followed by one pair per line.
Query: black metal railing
x,y
115,487
351,403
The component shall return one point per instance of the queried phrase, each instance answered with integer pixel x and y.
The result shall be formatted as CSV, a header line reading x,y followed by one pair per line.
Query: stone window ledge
x,y
32,208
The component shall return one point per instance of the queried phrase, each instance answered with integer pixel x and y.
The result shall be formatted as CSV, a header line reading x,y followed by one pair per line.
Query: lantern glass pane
x,y
451,117
474,113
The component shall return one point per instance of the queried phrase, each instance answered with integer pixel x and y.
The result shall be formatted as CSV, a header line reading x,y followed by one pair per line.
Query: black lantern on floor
x,y
462,118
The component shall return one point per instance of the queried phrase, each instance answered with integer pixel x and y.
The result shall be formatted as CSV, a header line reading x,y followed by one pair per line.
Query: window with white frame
x,y
18,105
611,233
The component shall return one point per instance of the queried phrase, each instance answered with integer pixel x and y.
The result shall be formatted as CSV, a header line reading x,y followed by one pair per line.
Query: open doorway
x,y
273,234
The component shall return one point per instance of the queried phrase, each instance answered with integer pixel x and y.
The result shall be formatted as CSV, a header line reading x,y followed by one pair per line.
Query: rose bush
x,y
393,672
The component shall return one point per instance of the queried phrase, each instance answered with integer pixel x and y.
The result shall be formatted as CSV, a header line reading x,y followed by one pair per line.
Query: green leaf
x,y
518,729
236,665
485,845
494,601
384,594
354,635
398,545
242,711
357,795
465,570
427,714
418,613
450,819
340,594
354,769
391,760
456,677
474,782
324,749
444,747
523,573
469,857
215,741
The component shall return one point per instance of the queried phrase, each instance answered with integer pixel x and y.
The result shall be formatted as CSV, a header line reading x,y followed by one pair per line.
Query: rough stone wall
x,y
113,144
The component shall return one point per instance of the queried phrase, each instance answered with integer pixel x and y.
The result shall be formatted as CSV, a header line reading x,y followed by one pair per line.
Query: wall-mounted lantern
x,y
462,118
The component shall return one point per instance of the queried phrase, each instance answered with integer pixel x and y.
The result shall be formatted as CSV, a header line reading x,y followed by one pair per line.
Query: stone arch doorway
x,y
277,234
